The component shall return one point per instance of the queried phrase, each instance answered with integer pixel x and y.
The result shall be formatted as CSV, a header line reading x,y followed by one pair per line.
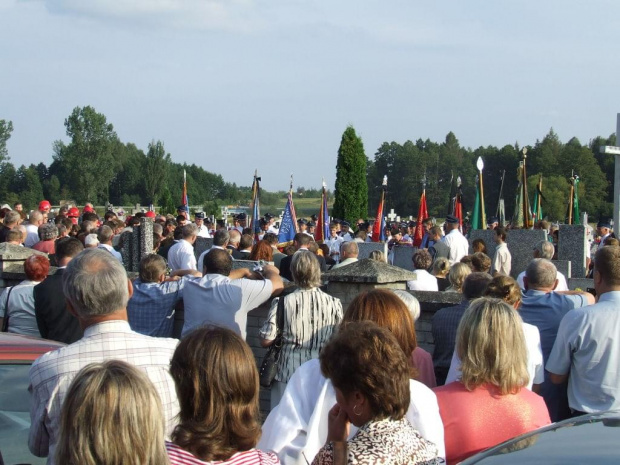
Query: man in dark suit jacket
x,y
233,244
54,320
301,242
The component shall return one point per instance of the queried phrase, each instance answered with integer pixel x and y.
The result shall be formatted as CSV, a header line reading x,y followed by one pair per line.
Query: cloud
x,y
227,15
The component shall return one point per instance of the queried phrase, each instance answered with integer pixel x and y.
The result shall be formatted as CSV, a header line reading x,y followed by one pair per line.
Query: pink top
x,y
48,247
482,418
423,361
179,456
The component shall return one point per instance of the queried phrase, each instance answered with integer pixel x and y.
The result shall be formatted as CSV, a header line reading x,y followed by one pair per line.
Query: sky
x,y
239,85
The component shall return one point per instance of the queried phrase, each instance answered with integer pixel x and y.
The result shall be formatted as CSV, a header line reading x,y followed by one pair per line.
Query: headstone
x,y
403,256
136,244
202,244
487,235
146,237
369,271
126,242
582,284
366,247
563,266
391,215
12,258
572,245
521,244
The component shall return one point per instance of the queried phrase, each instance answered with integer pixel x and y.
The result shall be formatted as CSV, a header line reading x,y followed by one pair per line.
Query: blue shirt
x,y
588,347
545,310
151,308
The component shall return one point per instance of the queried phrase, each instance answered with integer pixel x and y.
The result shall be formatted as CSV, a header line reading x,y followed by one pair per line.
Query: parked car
x,y
593,438
17,353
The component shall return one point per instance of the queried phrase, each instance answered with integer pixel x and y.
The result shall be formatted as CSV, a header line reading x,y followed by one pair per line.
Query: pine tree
x,y
351,184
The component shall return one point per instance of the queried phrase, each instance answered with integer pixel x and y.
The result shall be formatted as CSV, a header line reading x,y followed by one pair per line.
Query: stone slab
x,y
521,243
250,264
580,283
369,271
563,266
572,246
366,247
403,256
202,244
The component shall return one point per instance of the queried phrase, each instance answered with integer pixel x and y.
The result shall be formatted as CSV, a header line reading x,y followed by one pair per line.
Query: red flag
x,y
378,229
321,232
458,210
422,215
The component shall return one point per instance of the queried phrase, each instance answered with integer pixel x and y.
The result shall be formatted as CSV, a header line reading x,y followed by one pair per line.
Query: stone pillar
x,y
572,245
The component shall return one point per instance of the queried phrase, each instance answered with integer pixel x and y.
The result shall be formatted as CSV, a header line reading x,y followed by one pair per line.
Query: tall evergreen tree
x,y
351,185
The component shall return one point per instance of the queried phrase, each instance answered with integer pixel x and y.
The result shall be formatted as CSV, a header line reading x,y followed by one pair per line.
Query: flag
x,y
255,223
321,233
422,215
522,217
185,199
538,213
573,203
457,203
288,227
501,206
378,229
476,216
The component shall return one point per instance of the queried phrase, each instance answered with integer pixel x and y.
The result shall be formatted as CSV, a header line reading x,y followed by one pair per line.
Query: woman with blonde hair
x,y
216,381
506,288
458,272
112,415
489,404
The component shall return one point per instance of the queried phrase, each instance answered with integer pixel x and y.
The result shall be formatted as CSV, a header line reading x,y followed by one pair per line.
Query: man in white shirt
x,y
199,219
181,255
223,296
502,260
454,239
545,249
101,311
34,221
221,238
334,242
271,224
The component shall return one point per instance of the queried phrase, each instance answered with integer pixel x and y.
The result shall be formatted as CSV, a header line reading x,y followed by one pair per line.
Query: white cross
x,y
610,149
391,215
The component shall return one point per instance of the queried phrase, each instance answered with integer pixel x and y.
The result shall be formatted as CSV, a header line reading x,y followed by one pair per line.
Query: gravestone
x,y
12,258
366,247
521,243
202,244
487,235
136,244
563,266
403,256
582,284
572,246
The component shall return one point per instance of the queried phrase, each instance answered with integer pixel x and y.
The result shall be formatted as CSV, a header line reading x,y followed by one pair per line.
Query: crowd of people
x,y
352,385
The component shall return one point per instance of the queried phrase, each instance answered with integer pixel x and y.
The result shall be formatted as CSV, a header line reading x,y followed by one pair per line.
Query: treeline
x,y
407,164
96,166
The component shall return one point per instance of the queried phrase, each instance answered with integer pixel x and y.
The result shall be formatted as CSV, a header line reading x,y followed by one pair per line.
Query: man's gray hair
x,y
306,269
189,230
541,274
350,248
410,301
35,216
545,249
48,231
235,236
105,234
221,237
95,283
11,217
158,229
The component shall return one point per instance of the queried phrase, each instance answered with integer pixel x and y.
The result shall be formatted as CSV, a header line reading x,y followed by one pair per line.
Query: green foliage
x,y
6,128
351,183
155,173
91,160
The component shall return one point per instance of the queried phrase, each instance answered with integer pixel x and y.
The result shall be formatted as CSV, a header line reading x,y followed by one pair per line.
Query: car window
x,y
15,415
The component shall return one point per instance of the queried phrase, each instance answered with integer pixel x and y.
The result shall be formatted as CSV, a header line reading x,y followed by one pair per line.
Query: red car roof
x,y
16,347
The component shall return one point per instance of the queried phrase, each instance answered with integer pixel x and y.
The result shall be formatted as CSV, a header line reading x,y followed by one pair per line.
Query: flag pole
x,y
524,200
501,193
480,165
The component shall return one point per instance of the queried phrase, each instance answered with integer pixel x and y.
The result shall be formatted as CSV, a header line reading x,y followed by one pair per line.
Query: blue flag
x,y
288,227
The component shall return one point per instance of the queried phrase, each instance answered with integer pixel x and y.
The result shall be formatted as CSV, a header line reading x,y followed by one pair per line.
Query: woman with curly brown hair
x,y
370,374
262,250
216,381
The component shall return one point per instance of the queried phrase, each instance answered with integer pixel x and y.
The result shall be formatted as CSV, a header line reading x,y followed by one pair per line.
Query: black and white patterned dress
x,y
385,442
310,318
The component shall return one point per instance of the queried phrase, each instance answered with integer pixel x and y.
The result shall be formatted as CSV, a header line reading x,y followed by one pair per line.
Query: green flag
x,y
476,215
576,216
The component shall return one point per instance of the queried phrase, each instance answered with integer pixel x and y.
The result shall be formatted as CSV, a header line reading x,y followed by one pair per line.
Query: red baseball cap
x,y
88,209
150,214
74,212
43,204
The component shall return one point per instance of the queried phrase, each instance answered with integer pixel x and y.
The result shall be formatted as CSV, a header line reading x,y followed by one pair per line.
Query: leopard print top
x,y
385,442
